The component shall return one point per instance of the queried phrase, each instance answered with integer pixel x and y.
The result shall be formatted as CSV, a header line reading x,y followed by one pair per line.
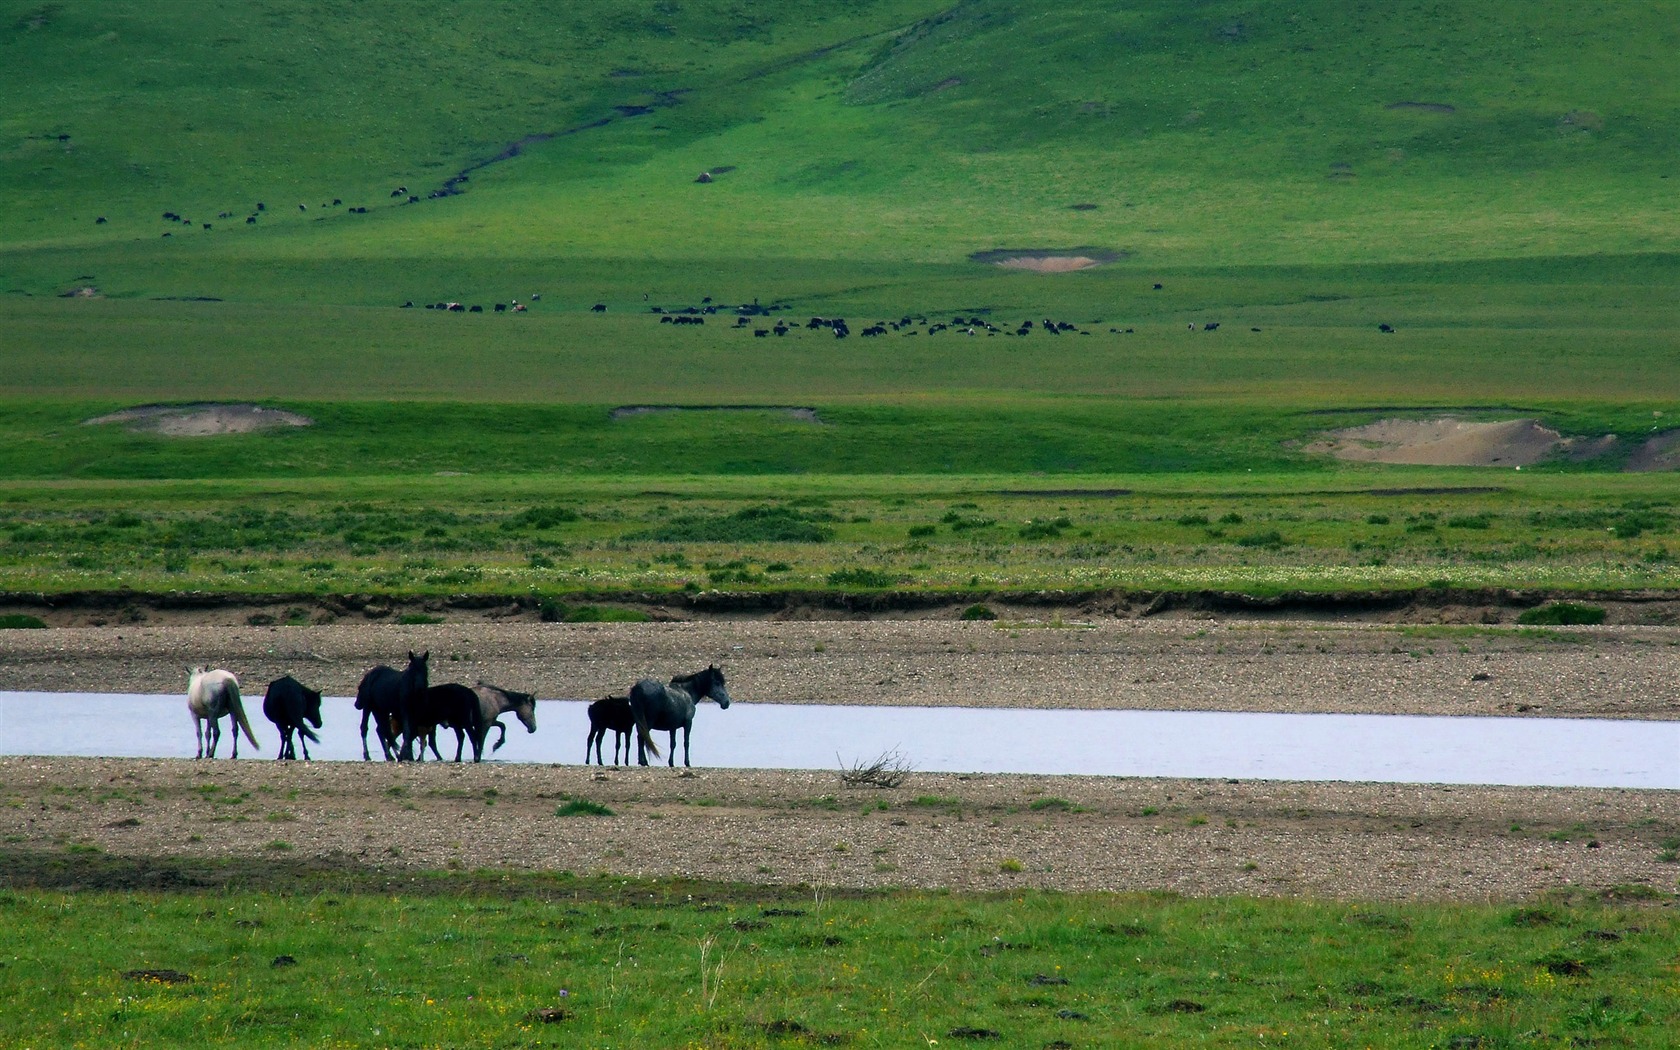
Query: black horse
x,y
384,696
609,712
671,707
289,704
450,706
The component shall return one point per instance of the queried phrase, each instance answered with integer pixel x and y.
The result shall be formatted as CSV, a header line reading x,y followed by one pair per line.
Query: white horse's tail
x,y
237,706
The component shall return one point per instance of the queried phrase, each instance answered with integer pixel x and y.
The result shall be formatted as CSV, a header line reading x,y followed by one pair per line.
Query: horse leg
x,y
213,735
198,735
672,748
685,746
366,713
233,723
624,738
303,742
460,742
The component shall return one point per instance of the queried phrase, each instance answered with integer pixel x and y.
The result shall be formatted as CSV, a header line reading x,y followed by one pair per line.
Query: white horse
x,y
211,695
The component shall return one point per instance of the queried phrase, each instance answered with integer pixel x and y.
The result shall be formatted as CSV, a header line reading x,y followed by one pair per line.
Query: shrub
x,y
579,807
1562,614
541,518
1270,540
20,621
418,619
1193,519
749,525
861,578
918,531
978,612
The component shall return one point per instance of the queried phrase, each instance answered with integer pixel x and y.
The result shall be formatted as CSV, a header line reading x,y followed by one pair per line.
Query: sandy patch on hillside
x,y
203,420
1444,443
1047,260
1661,452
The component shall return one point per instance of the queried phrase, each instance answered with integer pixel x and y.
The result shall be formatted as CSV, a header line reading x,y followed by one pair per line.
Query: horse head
x,y
415,676
524,707
715,687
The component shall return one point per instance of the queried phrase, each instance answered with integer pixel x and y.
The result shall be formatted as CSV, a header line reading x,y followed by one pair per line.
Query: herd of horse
x,y
406,712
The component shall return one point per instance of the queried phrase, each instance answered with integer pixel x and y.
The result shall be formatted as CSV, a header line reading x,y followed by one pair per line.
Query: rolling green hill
x,y
1263,185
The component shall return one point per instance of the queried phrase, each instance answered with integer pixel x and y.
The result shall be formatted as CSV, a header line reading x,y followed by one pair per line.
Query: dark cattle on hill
x,y
99,221
261,206
1385,328
250,220
475,309
599,308
1211,326
207,226
289,704
501,307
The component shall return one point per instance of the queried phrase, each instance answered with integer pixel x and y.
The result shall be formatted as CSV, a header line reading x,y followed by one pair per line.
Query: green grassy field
x,y
1492,180
448,962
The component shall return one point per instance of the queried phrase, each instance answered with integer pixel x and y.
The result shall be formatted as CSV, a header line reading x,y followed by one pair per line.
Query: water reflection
x,y
1404,749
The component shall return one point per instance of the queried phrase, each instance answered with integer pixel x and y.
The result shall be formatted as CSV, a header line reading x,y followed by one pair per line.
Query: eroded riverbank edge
x,y
145,823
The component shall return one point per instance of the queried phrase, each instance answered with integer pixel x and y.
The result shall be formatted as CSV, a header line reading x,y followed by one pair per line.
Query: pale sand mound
x,y
202,420
1049,263
1047,260
1444,443
1660,452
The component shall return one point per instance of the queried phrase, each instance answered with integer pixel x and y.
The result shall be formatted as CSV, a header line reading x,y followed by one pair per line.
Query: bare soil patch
x,y
1047,260
1445,442
202,420
1659,452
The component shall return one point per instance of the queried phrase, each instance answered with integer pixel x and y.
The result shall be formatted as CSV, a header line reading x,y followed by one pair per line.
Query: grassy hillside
x,y
899,131
1493,180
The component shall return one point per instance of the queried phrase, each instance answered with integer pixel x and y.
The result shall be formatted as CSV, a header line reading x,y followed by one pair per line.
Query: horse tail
x,y
306,731
237,706
642,735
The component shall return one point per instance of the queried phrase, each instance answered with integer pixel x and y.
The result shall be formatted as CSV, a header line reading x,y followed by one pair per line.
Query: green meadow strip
x,y
558,960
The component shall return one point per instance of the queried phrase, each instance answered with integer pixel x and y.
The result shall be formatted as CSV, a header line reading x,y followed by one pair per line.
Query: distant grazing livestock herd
x,y
907,324
406,712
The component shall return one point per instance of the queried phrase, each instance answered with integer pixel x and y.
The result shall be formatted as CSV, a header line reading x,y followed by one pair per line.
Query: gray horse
x,y
212,695
493,702
657,706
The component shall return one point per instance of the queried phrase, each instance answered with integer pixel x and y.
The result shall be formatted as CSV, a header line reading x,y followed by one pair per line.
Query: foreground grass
x,y
466,960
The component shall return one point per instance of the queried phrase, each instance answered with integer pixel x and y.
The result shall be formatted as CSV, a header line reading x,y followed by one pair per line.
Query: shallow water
x,y
961,740
1404,749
